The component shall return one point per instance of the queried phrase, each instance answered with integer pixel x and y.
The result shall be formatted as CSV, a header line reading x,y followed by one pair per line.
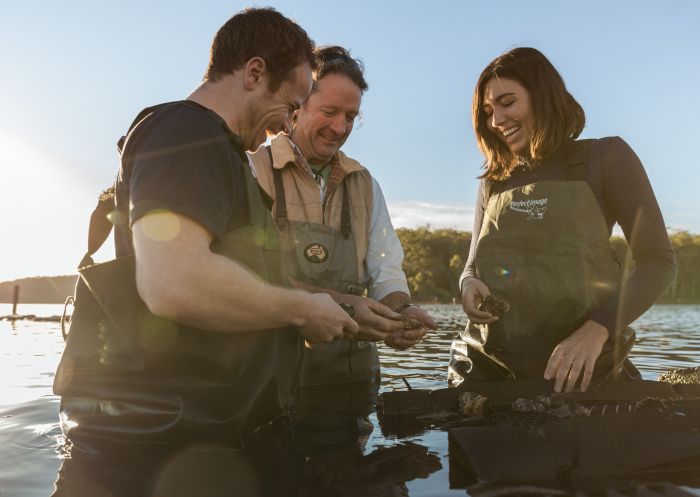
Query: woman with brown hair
x,y
545,210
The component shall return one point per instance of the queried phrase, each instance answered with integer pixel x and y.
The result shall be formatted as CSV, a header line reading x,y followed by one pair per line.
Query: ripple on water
x,y
29,352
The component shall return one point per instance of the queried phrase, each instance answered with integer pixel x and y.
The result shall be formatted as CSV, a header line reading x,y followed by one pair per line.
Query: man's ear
x,y
255,73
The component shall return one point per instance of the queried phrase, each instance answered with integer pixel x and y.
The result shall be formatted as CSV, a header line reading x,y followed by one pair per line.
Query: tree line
x,y
434,259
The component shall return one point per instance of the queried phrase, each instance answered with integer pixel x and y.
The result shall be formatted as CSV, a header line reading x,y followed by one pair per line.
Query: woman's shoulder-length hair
x,y
557,116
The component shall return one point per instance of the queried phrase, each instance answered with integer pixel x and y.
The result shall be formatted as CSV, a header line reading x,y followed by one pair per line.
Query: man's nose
x,y
339,125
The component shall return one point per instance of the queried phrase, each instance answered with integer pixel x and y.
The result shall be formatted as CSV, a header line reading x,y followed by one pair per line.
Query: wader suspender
x,y
281,201
576,170
576,162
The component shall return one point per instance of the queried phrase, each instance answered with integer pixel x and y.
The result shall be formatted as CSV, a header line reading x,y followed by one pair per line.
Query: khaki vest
x,y
302,193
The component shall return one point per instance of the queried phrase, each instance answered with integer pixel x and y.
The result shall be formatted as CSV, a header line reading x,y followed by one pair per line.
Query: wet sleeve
x,y
469,271
631,201
184,166
384,251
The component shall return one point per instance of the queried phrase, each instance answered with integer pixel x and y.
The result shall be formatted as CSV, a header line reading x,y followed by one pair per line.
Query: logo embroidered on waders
x,y
534,208
316,253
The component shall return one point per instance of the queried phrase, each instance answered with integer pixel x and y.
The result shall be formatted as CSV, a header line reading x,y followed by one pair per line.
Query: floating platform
x,y
632,430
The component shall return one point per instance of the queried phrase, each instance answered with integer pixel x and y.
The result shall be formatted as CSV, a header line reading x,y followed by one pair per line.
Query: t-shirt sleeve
x,y
183,162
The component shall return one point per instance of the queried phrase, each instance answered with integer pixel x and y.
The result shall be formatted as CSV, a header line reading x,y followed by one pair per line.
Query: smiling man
x,y
337,234
212,353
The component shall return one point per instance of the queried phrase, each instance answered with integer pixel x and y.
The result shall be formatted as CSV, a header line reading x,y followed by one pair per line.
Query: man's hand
x,y
325,321
404,339
376,321
575,354
473,293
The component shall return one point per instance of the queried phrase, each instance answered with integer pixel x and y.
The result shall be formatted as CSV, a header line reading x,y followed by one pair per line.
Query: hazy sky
x,y
76,73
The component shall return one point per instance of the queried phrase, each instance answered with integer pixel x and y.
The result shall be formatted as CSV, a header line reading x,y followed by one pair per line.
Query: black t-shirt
x,y
182,158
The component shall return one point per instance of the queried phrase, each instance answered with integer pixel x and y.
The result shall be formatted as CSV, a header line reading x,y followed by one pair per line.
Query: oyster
x,y
495,306
471,404
410,323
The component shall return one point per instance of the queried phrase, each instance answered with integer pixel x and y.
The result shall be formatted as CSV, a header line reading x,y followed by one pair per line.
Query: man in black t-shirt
x,y
184,185
190,212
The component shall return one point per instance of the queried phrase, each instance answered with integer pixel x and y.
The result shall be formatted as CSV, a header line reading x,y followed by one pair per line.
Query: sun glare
x,y
44,221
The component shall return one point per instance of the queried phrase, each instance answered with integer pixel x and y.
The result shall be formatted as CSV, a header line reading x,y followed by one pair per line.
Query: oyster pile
x,y
553,405
682,376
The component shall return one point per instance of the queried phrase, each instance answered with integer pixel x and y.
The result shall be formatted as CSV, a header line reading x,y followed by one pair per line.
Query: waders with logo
x,y
544,248
322,256
128,375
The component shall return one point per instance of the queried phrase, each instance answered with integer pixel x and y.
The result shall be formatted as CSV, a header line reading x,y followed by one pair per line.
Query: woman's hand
x,y
575,354
474,292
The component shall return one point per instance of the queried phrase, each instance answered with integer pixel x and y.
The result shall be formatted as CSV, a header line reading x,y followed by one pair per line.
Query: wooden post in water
x,y
15,299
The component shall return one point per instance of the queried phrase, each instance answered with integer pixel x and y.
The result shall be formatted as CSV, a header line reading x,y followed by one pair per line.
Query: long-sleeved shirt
x,y
620,184
381,265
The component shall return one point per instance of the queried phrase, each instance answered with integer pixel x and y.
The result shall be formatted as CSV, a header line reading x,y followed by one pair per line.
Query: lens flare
x,y
603,285
503,272
160,226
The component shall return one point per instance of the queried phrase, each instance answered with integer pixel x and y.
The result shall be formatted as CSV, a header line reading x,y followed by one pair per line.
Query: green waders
x,y
322,256
128,375
544,248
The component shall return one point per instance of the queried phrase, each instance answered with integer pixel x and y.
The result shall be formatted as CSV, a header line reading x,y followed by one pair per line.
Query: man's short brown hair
x,y
264,33
333,59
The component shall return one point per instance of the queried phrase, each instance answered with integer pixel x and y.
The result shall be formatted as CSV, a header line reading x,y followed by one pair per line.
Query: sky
x,y
75,73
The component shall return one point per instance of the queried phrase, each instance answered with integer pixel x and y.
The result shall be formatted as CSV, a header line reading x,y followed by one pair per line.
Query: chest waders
x,y
544,248
322,256
129,375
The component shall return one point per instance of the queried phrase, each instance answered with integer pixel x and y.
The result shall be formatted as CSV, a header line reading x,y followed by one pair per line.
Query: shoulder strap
x,y
280,198
577,160
345,224
100,225
487,190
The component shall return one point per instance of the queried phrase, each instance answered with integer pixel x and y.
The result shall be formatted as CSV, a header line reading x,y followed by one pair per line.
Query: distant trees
x,y
434,259
39,289
686,287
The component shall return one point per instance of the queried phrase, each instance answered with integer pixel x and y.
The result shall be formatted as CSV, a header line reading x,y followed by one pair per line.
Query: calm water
x,y
30,439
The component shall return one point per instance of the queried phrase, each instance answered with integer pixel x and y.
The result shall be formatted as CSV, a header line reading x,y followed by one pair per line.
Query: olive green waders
x,y
128,375
322,256
544,248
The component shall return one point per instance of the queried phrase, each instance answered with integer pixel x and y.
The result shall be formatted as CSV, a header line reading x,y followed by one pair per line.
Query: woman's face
x,y
508,110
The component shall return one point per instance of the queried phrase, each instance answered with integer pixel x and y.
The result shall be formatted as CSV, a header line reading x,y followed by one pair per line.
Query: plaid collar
x,y
285,152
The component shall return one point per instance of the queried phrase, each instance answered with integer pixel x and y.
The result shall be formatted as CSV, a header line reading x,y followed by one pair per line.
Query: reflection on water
x,y
415,465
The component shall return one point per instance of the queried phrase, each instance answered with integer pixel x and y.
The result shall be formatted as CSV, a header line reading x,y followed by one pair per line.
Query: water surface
x,y
31,441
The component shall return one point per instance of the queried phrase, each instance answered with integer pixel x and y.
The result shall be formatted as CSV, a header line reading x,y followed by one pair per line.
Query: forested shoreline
x,y
433,261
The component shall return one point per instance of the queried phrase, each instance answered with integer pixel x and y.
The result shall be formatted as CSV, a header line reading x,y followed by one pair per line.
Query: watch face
x,y
316,253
